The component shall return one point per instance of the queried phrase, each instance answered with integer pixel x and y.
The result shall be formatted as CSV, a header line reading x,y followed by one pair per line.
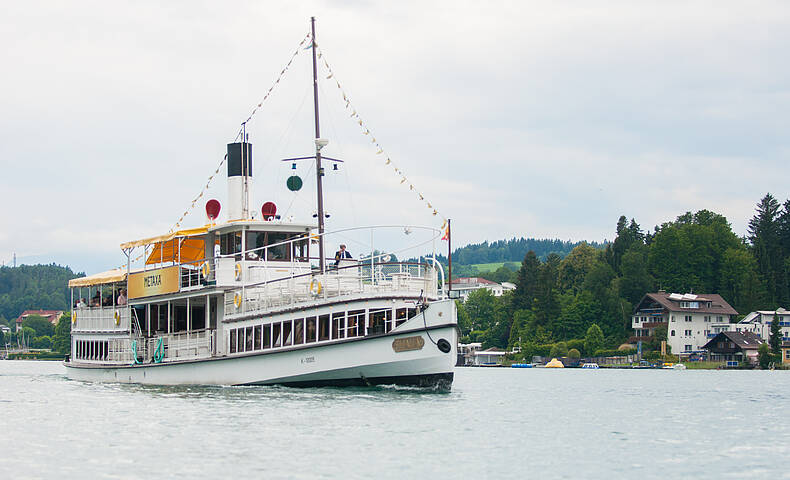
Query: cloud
x,y
513,118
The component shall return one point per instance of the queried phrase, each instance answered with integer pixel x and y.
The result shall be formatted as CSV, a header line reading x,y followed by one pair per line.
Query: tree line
x,y
34,287
559,299
511,250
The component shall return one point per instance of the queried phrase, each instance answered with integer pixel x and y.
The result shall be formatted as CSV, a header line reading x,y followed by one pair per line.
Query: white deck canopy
x,y
110,276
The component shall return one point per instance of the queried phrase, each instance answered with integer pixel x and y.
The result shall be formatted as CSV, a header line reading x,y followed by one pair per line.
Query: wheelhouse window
x,y
230,244
300,250
277,252
256,241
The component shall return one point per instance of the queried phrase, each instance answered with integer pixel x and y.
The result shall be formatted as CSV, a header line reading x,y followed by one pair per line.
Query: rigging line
x,y
279,77
333,127
380,149
285,139
241,130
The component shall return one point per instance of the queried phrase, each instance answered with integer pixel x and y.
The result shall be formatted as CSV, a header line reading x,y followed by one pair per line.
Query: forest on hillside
x,y
32,287
512,250
559,299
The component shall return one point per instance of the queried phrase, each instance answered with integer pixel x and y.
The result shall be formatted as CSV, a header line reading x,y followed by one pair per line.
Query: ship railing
x,y
379,279
191,276
120,350
101,319
289,261
172,347
117,350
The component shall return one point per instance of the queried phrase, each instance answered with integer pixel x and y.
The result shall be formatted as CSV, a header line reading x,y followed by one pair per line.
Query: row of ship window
x,y
335,326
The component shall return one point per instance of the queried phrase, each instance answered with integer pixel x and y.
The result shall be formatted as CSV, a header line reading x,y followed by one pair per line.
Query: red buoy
x,y
268,210
212,209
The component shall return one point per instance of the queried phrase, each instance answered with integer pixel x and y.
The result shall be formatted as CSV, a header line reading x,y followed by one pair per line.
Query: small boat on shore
x,y
521,365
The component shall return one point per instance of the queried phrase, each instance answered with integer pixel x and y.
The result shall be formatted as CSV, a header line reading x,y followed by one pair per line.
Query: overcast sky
x,y
538,119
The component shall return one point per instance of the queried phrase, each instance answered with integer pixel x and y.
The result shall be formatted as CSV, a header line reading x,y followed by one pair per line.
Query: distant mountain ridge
x,y
514,250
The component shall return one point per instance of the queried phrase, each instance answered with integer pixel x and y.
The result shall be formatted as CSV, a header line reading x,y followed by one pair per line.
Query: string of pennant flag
x,y
379,149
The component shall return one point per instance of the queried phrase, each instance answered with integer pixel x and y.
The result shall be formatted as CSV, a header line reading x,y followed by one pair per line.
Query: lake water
x,y
496,423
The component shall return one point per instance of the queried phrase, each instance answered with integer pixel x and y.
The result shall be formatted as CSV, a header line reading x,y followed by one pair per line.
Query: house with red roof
x,y
52,315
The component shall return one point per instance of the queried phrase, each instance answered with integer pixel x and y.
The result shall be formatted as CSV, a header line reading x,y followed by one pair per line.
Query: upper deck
x,y
255,267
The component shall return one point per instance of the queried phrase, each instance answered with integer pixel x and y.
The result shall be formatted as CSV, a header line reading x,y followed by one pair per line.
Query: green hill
x,y
34,286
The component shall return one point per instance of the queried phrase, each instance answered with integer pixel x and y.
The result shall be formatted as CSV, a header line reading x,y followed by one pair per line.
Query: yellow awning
x,y
190,232
111,276
192,250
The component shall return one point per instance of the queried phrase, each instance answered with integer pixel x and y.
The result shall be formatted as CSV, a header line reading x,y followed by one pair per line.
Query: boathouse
x,y
733,346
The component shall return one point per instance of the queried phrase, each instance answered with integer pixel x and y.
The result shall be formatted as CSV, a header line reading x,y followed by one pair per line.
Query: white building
x,y
465,285
489,357
691,320
759,323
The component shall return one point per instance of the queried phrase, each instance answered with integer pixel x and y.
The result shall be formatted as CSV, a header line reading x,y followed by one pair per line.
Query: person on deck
x,y
122,297
341,254
96,299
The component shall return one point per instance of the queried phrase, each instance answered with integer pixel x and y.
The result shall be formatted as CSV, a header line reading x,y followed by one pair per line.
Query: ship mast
x,y
319,171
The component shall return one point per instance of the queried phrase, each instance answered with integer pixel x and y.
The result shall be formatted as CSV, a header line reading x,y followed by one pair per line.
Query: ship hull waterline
x,y
363,362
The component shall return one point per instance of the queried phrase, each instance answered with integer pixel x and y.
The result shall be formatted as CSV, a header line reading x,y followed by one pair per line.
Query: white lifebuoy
x,y
315,287
237,299
117,317
238,271
205,269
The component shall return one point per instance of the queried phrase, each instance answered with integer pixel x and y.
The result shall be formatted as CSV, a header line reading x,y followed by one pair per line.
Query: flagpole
x,y
449,258
319,171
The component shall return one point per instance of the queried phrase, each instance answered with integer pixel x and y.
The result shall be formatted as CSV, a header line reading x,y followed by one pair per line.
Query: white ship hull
x,y
369,360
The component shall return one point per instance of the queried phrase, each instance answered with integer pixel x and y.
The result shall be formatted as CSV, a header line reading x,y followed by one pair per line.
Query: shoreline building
x,y
691,319
734,347
465,285
52,316
759,323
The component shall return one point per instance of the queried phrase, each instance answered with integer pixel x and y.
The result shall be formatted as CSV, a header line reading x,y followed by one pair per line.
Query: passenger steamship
x,y
257,302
